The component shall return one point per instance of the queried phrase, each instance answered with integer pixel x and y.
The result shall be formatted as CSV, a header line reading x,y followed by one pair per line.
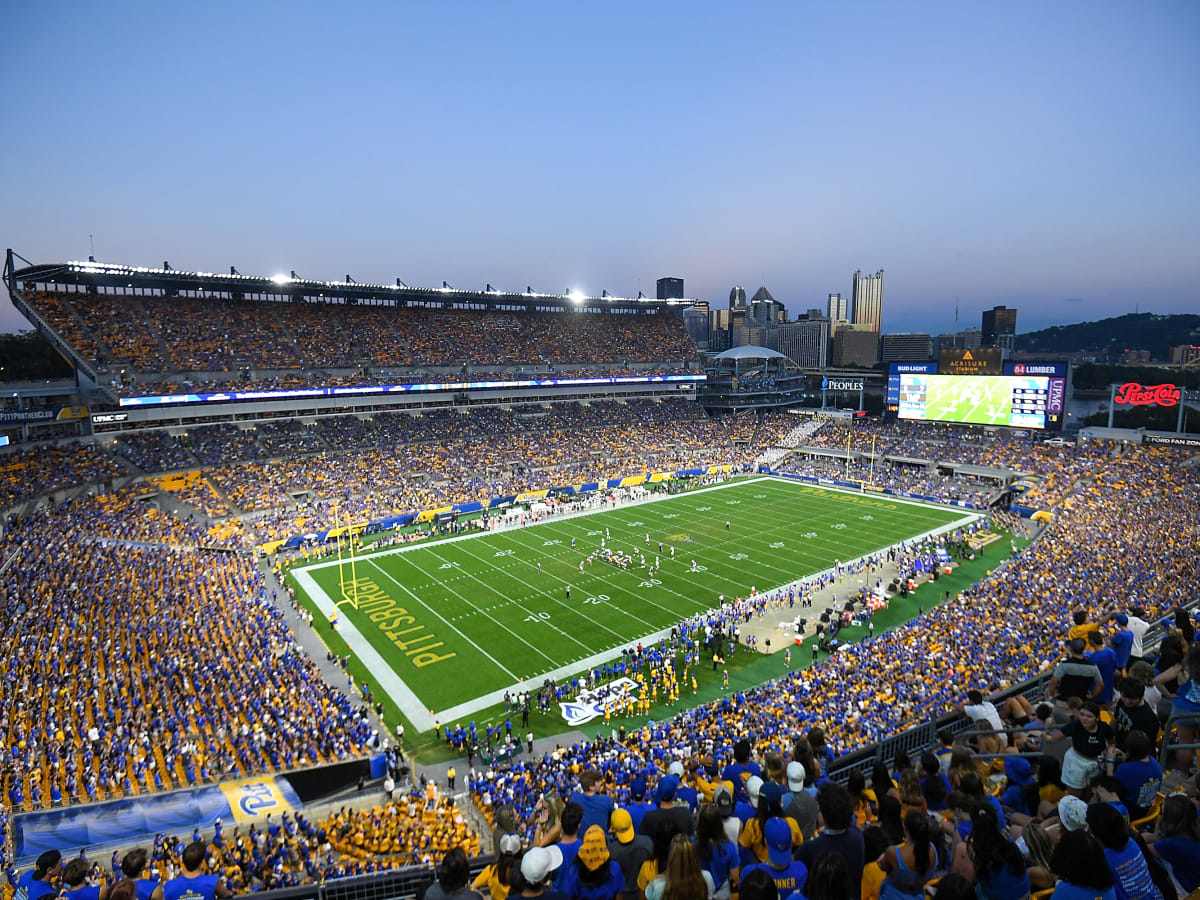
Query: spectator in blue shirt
x,y
597,807
1104,659
39,881
1176,840
1140,775
1082,870
1131,873
1122,641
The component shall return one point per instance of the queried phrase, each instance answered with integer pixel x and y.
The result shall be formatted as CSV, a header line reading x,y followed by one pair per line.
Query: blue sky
x,y
1039,155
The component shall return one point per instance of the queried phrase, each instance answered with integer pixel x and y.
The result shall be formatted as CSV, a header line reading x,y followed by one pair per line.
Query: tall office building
x,y
751,335
806,341
856,345
737,297
720,330
838,308
998,321
969,338
695,320
670,289
765,309
868,299
906,348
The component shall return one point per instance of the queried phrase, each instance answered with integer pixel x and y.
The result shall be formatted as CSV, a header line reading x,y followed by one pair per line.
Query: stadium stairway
x,y
291,338
154,332
790,441
104,351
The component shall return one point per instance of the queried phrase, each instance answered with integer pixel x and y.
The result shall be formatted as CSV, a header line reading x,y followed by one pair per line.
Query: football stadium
x,y
329,589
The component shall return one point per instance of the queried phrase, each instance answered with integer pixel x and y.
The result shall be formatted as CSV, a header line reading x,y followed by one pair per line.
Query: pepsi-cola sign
x,y
1132,393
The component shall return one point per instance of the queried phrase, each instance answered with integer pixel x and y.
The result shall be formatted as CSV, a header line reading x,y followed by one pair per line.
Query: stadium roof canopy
x,y
170,281
750,351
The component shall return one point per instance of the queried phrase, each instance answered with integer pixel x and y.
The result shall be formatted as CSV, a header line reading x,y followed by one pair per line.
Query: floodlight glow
x,y
281,278
576,296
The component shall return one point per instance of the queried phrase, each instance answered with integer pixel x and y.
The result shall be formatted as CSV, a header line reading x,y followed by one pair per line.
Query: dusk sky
x,y
1041,155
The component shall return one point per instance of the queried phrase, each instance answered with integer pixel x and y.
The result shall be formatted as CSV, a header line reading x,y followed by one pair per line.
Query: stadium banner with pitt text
x,y
132,820
43,414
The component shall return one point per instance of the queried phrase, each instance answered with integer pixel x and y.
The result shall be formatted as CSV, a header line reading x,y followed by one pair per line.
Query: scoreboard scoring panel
x,y
1004,400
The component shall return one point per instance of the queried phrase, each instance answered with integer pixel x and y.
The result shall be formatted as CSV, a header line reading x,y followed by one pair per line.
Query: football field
x,y
450,625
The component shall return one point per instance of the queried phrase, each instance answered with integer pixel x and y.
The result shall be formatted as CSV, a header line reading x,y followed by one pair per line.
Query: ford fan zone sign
x,y
1131,393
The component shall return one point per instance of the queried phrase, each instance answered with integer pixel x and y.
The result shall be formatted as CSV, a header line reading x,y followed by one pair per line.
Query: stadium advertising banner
x,y
44,414
1131,393
896,369
136,819
1056,372
402,389
971,361
1002,400
1172,440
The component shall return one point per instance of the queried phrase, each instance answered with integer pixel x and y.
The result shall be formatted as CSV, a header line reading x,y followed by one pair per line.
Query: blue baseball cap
x,y
778,837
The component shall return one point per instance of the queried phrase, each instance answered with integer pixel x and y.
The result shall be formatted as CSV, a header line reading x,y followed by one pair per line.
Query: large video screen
x,y
1009,400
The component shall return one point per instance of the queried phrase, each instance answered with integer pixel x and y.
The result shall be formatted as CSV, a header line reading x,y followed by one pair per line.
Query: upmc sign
x,y
1131,393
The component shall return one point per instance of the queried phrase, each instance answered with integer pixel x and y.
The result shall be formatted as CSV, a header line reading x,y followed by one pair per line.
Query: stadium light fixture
x,y
280,278
575,296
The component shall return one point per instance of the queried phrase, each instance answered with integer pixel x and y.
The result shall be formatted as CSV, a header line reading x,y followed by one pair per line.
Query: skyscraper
x,y
912,347
737,297
670,289
837,308
856,345
997,321
868,299
806,341
765,309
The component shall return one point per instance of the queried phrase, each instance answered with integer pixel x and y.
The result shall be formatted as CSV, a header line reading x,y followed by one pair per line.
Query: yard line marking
x,y
474,607
404,588
384,675
570,608
519,603
653,498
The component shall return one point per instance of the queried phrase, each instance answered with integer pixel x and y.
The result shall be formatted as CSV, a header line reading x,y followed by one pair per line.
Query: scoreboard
x,y
1026,396
1008,400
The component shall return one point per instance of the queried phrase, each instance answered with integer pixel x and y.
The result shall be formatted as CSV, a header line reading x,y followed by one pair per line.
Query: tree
x,y
27,356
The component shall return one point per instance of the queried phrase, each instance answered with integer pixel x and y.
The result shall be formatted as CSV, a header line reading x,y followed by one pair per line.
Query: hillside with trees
x,y
1109,338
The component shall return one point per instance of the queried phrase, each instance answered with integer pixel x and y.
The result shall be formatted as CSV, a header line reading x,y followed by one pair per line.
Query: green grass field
x,y
450,625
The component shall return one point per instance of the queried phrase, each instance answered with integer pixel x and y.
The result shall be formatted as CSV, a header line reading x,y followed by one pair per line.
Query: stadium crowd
x,y
135,662
189,334
892,476
1122,549
116,625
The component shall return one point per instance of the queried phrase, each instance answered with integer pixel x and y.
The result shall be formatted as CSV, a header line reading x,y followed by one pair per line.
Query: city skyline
x,y
1025,156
